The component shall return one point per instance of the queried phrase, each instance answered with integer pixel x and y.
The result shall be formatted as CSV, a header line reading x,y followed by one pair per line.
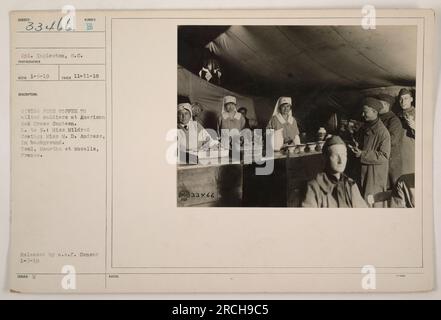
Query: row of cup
x,y
308,147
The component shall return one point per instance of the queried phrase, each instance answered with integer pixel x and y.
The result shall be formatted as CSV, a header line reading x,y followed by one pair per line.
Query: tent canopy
x,y
276,59
325,69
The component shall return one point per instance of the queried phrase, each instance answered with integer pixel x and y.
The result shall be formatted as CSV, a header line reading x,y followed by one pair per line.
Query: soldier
x,y
407,117
373,150
332,188
393,125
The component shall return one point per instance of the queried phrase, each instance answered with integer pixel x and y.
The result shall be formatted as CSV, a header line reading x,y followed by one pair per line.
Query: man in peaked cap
x,y
373,150
332,188
407,113
393,125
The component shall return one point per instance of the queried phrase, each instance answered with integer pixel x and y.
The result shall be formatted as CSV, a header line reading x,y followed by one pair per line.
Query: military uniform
x,y
393,125
325,191
374,160
408,142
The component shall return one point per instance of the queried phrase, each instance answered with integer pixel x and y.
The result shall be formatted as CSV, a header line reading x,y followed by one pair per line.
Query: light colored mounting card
x,y
94,202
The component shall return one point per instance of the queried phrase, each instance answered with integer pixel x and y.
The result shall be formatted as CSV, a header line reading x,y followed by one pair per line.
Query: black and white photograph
x,y
296,116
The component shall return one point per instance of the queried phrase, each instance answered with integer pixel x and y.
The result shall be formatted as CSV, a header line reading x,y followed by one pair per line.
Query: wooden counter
x,y
237,185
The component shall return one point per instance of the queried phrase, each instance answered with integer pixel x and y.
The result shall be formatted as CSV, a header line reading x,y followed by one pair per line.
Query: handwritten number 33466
x,y
54,26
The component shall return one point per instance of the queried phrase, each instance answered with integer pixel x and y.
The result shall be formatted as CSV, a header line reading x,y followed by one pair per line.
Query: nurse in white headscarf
x,y
191,135
230,118
283,123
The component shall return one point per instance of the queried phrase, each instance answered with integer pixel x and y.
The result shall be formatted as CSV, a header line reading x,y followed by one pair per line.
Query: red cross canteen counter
x,y
238,185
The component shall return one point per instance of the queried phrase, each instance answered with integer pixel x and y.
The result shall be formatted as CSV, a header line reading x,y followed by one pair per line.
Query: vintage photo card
x,y
222,151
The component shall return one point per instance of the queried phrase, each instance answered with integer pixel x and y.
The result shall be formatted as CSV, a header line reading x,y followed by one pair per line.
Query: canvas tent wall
x,y
209,96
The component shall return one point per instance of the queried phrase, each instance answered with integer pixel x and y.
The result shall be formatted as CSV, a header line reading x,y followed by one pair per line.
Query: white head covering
x,y
197,134
184,143
225,114
186,106
280,101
